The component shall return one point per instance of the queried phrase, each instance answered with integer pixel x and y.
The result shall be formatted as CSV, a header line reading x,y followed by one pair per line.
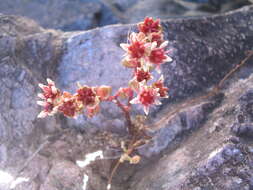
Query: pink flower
x,y
158,55
48,109
49,91
69,105
142,75
103,92
163,91
68,108
157,37
125,93
136,49
149,25
147,96
87,96
50,98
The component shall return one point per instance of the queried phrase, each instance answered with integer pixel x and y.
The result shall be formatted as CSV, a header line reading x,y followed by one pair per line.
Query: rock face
x,y
205,145
62,14
212,157
86,14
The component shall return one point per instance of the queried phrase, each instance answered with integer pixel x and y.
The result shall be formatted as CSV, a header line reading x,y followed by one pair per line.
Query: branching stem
x,y
134,143
126,111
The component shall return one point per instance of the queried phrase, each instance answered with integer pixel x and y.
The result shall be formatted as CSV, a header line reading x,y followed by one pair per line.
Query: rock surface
x,y
86,14
62,14
202,146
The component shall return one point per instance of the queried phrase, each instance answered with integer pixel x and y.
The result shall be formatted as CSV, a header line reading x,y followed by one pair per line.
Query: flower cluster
x,y
86,98
145,52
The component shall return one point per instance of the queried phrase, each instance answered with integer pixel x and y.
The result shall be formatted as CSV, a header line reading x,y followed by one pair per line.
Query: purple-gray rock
x,y
62,14
86,14
189,150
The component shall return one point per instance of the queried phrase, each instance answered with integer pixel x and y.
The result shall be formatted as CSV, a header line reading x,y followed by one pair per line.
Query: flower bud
x,y
104,92
135,159
125,93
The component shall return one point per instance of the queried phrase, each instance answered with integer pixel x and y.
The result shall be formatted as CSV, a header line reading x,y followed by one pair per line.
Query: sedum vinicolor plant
x,y
144,53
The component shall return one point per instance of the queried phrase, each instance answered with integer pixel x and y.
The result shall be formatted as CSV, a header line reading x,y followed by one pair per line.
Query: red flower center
x,y
136,49
147,97
68,108
142,75
149,26
48,107
86,95
163,91
157,56
48,93
157,38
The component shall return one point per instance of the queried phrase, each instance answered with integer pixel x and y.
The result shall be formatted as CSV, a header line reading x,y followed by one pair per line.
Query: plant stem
x,y
126,112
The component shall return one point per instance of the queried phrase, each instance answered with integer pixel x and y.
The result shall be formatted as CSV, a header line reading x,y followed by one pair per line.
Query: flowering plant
x,y
144,53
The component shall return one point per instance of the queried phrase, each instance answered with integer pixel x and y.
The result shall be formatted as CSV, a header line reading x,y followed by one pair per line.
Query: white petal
x,y
161,78
49,81
41,85
40,95
168,59
157,102
55,110
54,89
79,85
42,114
145,67
164,44
66,99
148,46
153,45
124,46
158,69
52,112
146,109
135,101
49,100
41,103
133,36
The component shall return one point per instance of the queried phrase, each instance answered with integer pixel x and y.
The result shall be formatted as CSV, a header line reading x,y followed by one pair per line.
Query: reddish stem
x,y
126,112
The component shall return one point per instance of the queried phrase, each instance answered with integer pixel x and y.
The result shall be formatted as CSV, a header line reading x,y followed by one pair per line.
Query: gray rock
x,y
205,160
123,5
185,153
183,122
245,129
20,130
86,14
59,178
62,14
162,9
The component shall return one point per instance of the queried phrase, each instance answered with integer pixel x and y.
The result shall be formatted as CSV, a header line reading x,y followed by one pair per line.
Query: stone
x,y
63,174
62,14
183,153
